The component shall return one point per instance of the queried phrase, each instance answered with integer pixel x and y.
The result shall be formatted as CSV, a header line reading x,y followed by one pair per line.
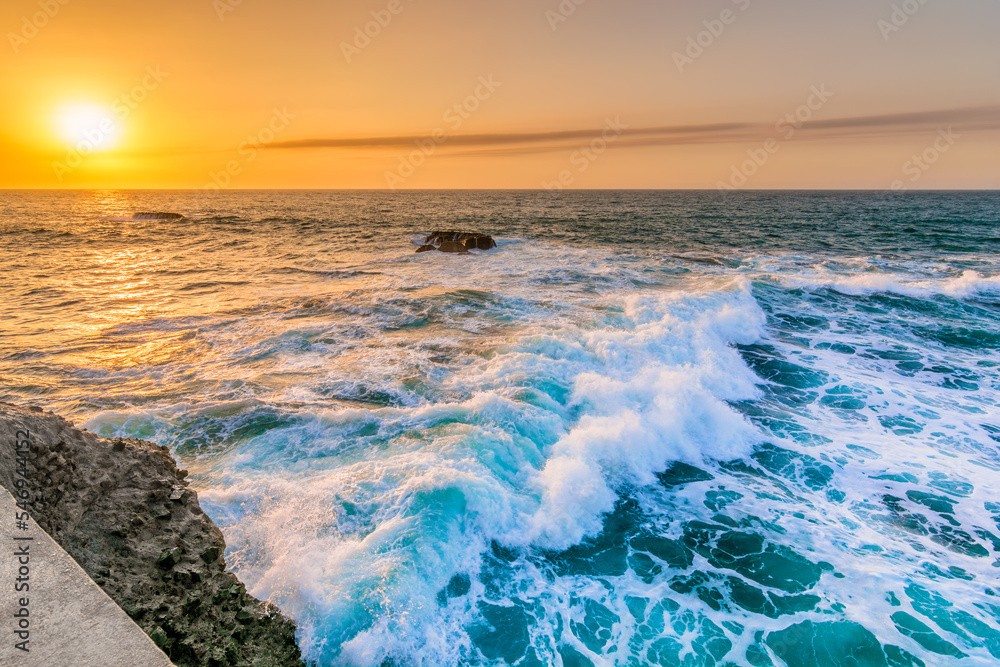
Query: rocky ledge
x,y
124,512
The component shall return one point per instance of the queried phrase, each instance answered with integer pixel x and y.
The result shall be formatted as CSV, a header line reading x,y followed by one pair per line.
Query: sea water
x,y
662,428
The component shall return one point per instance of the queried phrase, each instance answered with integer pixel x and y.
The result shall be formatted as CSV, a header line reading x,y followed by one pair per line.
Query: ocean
x,y
650,428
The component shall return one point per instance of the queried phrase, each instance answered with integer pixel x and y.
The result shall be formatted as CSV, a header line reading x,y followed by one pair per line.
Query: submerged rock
x,y
124,512
457,242
157,215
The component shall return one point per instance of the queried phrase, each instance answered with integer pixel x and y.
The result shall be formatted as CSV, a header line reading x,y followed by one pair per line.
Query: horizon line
x,y
541,190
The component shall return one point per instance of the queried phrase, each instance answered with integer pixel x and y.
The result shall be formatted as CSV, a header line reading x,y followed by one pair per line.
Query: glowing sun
x,y
89,126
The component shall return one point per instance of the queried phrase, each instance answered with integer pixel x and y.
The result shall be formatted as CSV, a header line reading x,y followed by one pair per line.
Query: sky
x,y
755,94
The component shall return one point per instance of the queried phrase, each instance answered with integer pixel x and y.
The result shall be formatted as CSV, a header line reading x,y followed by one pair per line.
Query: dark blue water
x,y
662,428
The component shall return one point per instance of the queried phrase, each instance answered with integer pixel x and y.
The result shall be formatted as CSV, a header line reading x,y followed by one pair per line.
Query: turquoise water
x,y
650,428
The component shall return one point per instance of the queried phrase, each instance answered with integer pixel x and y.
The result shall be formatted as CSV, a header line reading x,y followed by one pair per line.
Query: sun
x,y
89,127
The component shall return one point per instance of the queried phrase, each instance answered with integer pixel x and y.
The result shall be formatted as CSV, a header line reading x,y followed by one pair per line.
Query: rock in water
x,y
452,246
480,242
124,512
157,215
468,241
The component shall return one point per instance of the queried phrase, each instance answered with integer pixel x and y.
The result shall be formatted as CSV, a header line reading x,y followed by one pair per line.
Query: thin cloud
x,y
987,117
855,127
480,140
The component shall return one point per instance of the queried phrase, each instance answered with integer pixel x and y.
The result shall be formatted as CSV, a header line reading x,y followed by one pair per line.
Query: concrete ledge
x,y
72,622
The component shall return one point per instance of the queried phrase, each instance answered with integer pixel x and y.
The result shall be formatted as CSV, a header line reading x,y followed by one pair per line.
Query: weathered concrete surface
x,y
125,513
71,621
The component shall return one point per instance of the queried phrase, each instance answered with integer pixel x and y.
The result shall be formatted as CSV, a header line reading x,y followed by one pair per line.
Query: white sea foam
x,y
968,284
354,518
450,477
658,395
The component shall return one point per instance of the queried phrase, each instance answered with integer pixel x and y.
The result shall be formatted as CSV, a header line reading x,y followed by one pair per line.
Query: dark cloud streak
x,y
859,127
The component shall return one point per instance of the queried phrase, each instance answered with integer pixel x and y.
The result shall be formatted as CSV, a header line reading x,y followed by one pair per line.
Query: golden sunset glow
x,y
90,126
441,94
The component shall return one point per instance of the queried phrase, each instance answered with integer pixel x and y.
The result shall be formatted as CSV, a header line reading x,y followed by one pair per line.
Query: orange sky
x,y
477,94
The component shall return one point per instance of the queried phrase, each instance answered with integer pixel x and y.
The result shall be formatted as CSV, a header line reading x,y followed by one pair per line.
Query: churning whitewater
x,y
649,428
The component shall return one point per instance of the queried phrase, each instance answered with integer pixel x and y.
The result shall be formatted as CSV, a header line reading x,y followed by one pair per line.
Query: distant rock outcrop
x,y
459,242
157,215
125,513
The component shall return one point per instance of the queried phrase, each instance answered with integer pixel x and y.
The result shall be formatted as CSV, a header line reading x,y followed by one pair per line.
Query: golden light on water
x,y
88,127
